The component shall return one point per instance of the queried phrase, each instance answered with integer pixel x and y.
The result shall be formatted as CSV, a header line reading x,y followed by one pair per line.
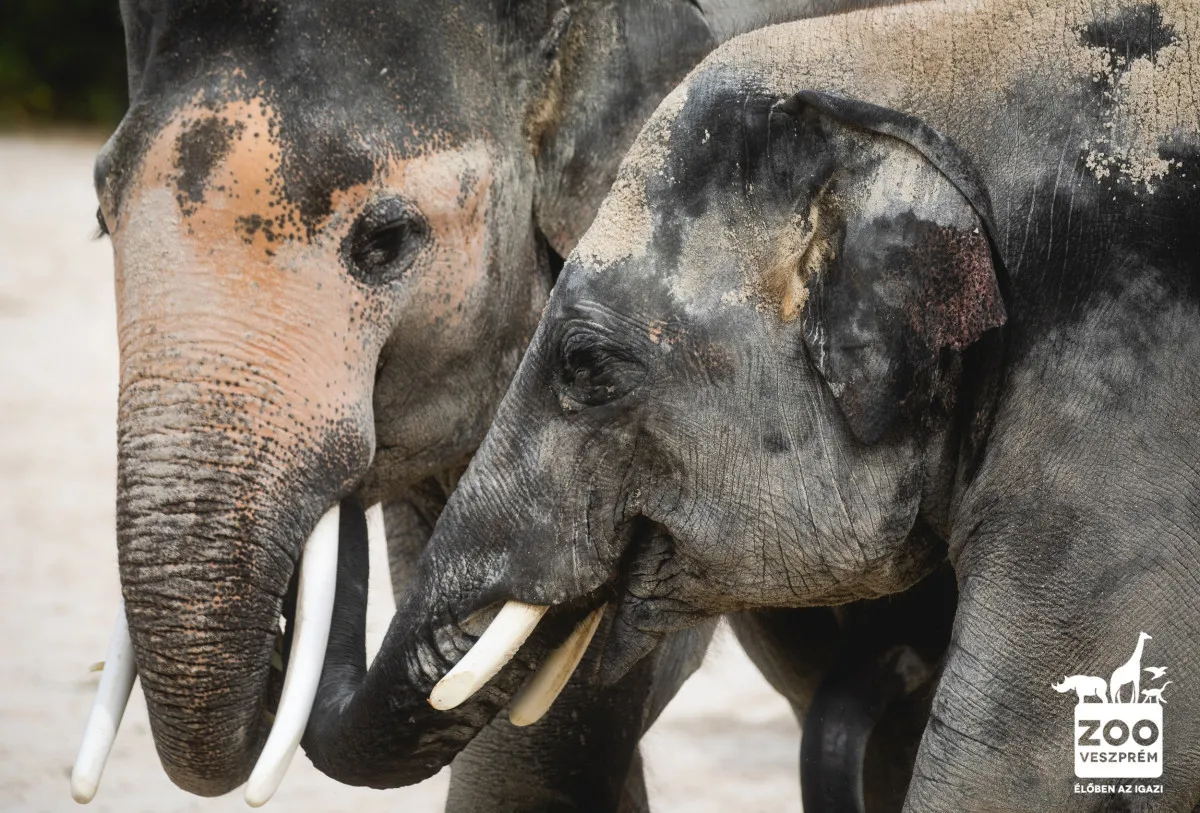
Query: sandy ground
x,y
728,742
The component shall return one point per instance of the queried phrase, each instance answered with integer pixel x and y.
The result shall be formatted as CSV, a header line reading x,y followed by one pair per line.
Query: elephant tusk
x,y
112,695
496,647
314,611
536,697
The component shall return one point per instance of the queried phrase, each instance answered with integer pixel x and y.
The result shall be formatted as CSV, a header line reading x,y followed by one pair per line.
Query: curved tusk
x,y
116,684
536,697
496,647
381,600
314,610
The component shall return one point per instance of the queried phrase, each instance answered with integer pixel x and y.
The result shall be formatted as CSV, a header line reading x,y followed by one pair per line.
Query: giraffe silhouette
x,y
1128,673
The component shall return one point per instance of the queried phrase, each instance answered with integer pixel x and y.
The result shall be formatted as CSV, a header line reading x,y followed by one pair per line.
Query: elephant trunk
x,y
404,740
410,714
211,518
546,576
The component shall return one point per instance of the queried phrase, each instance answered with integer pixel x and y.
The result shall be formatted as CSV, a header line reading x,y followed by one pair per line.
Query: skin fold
x,y
870,293
334,230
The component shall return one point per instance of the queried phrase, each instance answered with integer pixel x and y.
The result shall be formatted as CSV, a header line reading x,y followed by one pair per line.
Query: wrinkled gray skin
x,y
334,230
798,333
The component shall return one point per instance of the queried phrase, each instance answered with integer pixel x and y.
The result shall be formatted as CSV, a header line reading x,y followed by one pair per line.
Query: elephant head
x,y
758,373
334,228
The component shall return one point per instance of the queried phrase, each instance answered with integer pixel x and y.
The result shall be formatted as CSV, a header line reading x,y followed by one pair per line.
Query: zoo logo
x,y
1118,723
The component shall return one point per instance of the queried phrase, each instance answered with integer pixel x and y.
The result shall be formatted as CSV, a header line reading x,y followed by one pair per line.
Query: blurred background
x,y
728,742
61,62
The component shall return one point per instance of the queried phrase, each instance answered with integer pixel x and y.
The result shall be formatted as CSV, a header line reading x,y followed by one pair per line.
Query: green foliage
x,y
61,61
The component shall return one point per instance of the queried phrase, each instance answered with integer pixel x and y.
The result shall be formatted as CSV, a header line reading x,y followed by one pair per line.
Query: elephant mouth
x,y
633,601
296,662
651,599
499,644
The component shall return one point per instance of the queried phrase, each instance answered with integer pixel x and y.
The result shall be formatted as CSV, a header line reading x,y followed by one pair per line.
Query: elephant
x,y
334,229
870,294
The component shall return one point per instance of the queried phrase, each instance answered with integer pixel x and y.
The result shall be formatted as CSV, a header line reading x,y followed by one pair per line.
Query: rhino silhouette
x,y
1083,686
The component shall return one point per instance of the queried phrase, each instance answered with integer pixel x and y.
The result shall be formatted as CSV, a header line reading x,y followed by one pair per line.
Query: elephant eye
x,y
384,242
596,370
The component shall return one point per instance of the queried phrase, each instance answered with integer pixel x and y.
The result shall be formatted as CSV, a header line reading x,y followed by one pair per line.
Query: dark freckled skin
x,y
200,147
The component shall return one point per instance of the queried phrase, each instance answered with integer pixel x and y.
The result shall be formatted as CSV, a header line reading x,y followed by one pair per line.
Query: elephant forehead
x,y
209,234
623,227
231,168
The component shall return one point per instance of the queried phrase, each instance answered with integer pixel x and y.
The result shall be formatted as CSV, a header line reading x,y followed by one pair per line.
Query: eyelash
x,y
101,225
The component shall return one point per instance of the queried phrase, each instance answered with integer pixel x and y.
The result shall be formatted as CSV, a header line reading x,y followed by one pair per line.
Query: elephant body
x,y
869,293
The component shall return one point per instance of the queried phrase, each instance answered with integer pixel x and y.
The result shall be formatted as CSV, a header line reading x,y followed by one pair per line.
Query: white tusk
x,y
381,601
536,697
116,684
496,647
314,610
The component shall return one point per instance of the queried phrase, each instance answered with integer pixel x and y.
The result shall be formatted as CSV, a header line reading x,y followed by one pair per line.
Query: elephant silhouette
x,y
1155,695
1128,673
1083,686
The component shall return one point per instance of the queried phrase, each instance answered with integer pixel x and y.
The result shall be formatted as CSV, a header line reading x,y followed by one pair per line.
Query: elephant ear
x,y
898,266
138,18
607,65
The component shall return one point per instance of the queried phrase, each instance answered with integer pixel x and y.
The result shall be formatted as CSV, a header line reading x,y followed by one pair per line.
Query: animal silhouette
x,y
1083,686
1155,695
1156,672
1128,673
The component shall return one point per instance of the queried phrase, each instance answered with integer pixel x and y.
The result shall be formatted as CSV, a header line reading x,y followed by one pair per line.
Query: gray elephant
x,y
334,230
869,292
